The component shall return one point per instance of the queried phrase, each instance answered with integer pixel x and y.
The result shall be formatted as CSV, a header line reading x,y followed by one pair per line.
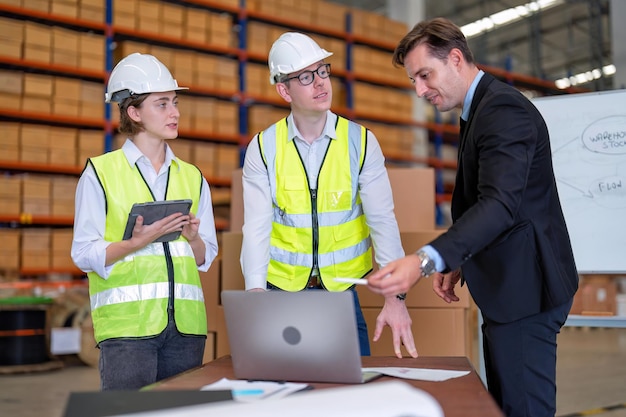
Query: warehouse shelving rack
x,y
439,133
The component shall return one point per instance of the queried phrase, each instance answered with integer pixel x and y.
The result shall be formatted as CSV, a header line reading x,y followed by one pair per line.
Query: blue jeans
x,y
364,341
129,364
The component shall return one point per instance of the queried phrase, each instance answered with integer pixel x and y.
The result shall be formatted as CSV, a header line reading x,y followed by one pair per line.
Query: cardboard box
x,y
34,143
90,143
204,158
222,347
38,85
32,104
61,249
10,195
227,161
231,275
211,287
63,8
62,147
598,295
413,197
37,53
67,88
11,48
10,134
36,34
183,149
35,249
209,348
65,58
40,5
11,82
64,107
437,332
63,191
201,120
12,29
236,201
64,39
124,18
9,249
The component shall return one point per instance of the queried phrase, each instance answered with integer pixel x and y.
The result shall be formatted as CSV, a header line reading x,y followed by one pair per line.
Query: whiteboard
x,y
588,140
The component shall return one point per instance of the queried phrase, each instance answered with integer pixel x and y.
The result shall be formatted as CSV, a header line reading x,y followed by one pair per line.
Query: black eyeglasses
x,y
307,77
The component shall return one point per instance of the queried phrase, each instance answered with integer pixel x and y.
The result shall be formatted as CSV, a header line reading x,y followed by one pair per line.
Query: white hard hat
x,y
138,74
292,52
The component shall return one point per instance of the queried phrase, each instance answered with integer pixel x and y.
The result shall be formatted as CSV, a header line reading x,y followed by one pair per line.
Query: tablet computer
x,y
153,211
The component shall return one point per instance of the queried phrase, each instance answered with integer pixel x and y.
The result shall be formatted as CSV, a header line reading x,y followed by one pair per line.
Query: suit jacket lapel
x,y
481,89
465,126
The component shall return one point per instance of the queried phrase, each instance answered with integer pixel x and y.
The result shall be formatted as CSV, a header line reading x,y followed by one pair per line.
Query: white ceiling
x,y
564,40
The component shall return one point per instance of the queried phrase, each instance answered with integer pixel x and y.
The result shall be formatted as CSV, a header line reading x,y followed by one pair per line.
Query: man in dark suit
x,y
508,239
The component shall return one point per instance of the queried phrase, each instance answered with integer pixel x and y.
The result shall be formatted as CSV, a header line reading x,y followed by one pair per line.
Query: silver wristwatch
x,y
426,264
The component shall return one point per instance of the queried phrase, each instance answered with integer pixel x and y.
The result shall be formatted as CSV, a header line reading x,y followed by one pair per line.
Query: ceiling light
x,y
585,77
506,16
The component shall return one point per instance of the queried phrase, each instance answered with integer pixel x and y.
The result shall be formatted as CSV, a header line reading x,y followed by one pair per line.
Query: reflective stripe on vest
x,y
334,232
133,300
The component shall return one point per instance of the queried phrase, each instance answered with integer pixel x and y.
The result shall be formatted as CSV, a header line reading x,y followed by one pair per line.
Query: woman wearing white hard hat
x,y
146,298
316,194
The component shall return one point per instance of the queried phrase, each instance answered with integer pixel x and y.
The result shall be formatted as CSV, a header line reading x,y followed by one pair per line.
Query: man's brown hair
x,y
439,34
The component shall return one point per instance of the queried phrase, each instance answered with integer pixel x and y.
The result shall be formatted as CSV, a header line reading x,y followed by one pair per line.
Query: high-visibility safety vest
x,y
320,228
133,301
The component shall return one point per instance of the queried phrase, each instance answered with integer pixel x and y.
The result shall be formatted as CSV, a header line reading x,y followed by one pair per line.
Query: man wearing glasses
x,y
317,195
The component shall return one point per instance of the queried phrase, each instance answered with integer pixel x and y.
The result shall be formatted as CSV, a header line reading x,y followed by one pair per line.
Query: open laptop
x,y
308,336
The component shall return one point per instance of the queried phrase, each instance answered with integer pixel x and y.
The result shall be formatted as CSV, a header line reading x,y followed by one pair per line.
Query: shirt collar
x,y
134,154
467,103
329,128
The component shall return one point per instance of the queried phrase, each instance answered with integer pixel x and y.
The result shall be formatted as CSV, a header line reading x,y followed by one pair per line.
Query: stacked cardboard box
x,y
60,248
9,254
35,254
37,42
63,191
10,134
11,37
596,296
36,197
10,195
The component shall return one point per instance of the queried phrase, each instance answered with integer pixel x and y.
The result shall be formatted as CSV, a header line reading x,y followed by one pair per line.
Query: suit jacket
x,y
508,234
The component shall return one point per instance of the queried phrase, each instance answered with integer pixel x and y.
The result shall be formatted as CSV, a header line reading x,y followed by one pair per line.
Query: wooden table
x,y
459,397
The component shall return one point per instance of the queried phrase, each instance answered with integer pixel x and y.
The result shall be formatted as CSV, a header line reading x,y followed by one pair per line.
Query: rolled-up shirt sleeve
x,y
377,198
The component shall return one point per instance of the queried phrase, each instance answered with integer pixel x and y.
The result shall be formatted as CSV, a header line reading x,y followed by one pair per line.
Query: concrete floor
x,y
591,374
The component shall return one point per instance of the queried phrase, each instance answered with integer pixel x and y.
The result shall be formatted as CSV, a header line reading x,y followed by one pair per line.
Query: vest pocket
x,y
336,200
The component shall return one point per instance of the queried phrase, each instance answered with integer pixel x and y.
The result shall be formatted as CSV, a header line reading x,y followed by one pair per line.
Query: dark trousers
x,y
129,364
520,362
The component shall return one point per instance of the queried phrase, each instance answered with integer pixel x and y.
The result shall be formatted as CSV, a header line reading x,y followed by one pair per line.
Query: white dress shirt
x,y
374,188
89,246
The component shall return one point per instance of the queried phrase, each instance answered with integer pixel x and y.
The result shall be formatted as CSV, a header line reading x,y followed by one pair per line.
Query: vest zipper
x,y
315,232
170,279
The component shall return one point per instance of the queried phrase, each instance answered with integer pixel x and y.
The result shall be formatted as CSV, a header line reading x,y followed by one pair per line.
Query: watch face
x,y
429,268
427,265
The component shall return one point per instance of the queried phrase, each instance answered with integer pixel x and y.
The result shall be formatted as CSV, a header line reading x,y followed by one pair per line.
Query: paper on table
x,y
250,391
382,399
421,374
